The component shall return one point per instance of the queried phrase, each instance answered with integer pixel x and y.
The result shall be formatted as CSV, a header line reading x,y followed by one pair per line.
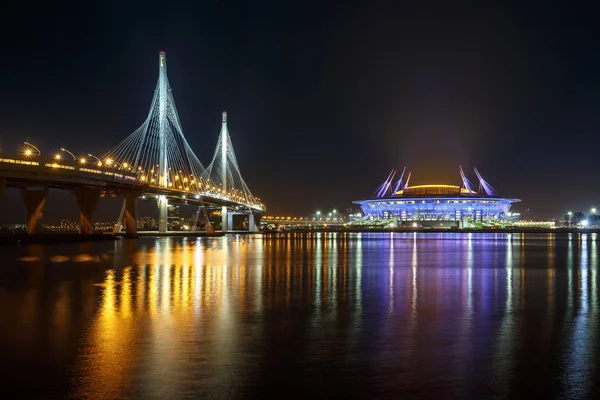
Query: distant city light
x,y
584,222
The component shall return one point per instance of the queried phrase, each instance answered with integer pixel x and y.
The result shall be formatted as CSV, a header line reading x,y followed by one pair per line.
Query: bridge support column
x,y
224,219
87,198
162,214
35,201
252,227
130,214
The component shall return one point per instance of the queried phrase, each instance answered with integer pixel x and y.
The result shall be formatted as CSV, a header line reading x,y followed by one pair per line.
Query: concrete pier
x,y
35,201
225,219
162,214
87,198
252,227
131,214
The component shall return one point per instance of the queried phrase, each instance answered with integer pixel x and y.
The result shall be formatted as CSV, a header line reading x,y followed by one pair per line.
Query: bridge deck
x,y
47,173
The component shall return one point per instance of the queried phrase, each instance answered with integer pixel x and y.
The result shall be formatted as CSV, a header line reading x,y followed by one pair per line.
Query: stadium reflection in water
x,y
377,315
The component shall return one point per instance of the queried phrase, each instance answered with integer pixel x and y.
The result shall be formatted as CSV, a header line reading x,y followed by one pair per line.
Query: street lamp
x,y
593,210
57,156
96,158
570,214
29,150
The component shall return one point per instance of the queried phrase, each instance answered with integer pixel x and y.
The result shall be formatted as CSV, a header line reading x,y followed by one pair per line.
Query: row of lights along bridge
x,y
181,182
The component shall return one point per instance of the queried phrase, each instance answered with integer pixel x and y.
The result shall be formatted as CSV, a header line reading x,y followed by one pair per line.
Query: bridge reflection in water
x,y
446,315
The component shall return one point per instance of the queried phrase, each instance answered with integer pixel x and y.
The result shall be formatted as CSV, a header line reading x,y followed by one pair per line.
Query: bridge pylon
x,y
163,162
157,152
159,157
224,171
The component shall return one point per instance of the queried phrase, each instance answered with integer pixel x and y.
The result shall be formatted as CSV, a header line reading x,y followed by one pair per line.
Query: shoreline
x,y
434,230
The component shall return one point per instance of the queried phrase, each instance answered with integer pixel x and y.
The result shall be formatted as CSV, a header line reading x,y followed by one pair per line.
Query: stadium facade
x,y
446,205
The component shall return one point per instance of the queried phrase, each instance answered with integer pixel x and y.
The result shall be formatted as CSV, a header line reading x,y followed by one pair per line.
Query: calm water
x,y
324,315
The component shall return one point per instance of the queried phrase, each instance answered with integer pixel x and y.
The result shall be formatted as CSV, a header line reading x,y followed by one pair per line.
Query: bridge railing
x,y
49,165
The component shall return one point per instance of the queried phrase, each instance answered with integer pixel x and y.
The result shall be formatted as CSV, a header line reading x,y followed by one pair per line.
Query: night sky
x,y
324,98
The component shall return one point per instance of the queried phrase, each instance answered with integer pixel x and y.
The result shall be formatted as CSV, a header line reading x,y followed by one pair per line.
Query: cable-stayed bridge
x,y
155,160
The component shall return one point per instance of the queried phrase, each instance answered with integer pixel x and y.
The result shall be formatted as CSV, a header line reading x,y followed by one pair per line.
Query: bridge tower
x,y
224,139
157,152
226,220
163,165
225,172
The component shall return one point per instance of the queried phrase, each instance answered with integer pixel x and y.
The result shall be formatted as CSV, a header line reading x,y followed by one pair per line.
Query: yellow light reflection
x,y
152,311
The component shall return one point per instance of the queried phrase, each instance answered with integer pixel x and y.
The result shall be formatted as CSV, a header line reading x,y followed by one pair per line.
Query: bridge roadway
x,y
34,175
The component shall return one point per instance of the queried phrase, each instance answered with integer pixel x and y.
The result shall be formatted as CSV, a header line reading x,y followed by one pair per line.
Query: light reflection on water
x,y
372,315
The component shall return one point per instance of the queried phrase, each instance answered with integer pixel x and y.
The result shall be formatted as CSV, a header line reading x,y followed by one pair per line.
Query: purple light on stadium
x,y
489,190
466,182
399,183
436,205
382,190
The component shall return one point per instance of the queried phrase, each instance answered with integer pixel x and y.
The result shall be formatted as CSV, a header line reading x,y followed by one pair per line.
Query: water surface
x,y
408,315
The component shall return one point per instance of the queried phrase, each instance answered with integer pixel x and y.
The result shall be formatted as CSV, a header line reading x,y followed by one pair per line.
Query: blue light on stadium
x,y
435,205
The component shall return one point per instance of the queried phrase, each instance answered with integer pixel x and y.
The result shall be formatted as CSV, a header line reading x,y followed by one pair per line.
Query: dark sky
x,y
324,98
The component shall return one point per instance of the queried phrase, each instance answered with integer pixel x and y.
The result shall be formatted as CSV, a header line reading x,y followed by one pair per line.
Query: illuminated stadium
x,y
435,205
